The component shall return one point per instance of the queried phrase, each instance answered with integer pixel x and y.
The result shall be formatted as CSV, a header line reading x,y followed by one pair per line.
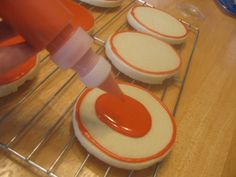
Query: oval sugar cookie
x,y
142,57
157,23
121,150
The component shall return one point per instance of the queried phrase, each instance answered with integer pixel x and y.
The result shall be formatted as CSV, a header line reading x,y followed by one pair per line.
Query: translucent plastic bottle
x,y
47,24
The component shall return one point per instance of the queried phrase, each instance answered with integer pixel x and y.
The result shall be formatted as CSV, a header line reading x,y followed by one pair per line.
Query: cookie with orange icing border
x,y
11,80
157,23
103,3
142,57
118,149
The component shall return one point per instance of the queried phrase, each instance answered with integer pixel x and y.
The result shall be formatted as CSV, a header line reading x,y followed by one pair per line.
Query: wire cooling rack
x,y
35,124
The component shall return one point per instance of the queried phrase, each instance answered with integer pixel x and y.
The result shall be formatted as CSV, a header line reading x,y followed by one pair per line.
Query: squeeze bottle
x,y
47,24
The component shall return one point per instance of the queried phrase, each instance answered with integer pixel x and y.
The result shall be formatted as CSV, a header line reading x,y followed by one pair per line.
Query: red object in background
x,y
80,15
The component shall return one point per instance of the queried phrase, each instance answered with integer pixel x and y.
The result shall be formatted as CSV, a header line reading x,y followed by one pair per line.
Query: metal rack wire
x,y
8,147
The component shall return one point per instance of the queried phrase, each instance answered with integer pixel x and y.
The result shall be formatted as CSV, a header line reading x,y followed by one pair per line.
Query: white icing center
x,y
146,52
159,21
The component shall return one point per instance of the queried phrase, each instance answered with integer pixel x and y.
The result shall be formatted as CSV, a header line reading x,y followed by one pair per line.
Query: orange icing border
x,y
154,31
19,71
138,68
